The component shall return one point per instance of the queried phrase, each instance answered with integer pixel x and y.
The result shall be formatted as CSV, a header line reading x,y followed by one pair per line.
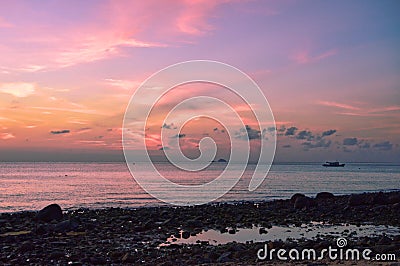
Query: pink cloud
x,y
5,24
338,105
108,31
193,18
304,57
352,110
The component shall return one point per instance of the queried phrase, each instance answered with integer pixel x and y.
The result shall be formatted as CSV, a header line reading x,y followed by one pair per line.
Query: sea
x,y
32,186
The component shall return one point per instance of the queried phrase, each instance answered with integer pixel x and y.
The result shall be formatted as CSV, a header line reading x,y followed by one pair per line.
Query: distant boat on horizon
x,y
220,161
333,164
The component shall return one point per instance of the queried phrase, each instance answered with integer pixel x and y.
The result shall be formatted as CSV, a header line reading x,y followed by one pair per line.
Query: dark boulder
x,y
66,226
380,199
304,202
296,196
357,200
393,198
324,196
50,213
185,234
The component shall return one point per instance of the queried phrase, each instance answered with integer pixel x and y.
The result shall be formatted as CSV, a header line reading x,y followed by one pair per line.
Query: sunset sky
x,y
329,69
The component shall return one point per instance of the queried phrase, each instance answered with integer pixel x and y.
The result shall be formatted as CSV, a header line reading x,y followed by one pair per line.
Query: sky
x,y
329,69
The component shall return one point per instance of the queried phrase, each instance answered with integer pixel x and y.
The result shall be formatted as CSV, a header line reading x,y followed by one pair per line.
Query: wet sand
x,y
139,236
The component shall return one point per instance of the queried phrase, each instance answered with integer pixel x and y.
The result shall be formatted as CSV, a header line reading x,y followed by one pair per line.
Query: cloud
x,y
248,133
352,110
123,84
94,49
304,134
338,105
72,110
5,24
364,145
350,141
383,146
304,57
322,143
291,131
18,89
83,130
328,132
56,132
6,136
110,29
179,136
345,149
193,18
170,126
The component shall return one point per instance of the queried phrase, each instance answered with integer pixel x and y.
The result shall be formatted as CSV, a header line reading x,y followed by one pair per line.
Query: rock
x,y
303,202
384,240
185,234
98,260
296,196
42,229
225,257
26,246
356,200
262,230
324,195
193,223
380,199
116,255
128,258
66,226
50,213
57,254
394,198
396,207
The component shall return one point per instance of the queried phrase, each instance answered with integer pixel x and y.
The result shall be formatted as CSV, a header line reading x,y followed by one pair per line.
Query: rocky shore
x,y
116,236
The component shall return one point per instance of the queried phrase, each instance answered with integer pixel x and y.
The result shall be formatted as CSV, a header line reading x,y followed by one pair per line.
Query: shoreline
x,y
166,205
133,236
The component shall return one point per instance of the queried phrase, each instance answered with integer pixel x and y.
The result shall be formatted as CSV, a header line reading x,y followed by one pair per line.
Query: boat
x,y
333,164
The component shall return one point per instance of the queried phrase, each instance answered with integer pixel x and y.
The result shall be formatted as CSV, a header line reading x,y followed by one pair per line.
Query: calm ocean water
x,y
31,186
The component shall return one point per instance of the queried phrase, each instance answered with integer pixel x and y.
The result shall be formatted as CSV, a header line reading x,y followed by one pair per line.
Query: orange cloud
x,y
6,136
18,89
